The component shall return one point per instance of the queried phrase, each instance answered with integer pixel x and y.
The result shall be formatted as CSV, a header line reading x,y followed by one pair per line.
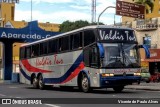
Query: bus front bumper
x,y
119,81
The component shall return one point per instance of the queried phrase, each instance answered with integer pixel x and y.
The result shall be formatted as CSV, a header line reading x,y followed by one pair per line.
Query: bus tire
x,y
85,85
41,82
118,88
35,82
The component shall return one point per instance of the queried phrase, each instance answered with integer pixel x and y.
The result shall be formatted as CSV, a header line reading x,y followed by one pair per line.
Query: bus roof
x,y
83,28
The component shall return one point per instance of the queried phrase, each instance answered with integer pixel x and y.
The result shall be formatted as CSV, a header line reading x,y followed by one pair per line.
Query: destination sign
x,y
130,9
117,35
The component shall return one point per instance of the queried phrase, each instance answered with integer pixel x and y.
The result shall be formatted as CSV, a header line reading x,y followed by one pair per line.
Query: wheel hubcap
x,y
85,83
40,82
34,81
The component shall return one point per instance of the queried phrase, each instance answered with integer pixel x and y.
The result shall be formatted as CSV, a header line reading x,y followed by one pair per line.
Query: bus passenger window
x,y
43,48
89,37
60,45
32,54
35,48
65,43
22,53
77,41
28,52
53,46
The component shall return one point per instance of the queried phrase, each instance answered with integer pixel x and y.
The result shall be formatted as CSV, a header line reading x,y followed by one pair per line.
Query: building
x,y
7,20
148,33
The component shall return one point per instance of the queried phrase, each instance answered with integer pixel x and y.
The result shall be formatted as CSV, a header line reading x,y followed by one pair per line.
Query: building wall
x,y
7,14
156,10
154,36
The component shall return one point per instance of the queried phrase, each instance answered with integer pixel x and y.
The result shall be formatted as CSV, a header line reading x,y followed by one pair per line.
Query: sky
x,y
58,11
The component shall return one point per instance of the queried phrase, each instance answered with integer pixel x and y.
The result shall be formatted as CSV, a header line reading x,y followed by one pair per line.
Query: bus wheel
x,y
35,82
118,88
85,85
41,82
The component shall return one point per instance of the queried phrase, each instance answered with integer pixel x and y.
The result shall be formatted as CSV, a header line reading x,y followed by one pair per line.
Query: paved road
x,y
22,91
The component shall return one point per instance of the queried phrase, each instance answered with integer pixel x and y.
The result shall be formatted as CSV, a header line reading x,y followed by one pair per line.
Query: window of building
x,y
12,13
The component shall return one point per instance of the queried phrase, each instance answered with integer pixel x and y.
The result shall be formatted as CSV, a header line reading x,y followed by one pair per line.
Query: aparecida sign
x,y
30,33
23,36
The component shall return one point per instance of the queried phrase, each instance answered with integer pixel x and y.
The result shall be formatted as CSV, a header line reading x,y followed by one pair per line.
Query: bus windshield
x,y
118,55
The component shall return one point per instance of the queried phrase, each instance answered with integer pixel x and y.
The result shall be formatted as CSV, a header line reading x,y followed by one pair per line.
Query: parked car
x,y
155,77
145,75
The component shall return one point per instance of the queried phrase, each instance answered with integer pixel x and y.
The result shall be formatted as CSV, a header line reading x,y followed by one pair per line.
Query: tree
x,y
147,3
68,26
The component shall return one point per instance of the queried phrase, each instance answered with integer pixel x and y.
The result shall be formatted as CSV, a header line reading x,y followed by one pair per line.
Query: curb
x,y
8,82
143,89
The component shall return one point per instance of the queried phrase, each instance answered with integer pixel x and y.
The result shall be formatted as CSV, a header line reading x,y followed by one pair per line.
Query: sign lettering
x,y
22,36
117,35
48,61
130,9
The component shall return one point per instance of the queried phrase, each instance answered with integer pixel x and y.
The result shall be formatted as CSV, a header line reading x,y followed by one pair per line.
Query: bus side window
x,y
22,53
89,37
43,48
86,54
28,52
94,57
76,41
35,49
65,43
59,44
32,54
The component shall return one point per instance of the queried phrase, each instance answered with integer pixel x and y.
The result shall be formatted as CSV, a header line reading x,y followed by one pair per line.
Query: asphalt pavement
x,y
145,86
152,86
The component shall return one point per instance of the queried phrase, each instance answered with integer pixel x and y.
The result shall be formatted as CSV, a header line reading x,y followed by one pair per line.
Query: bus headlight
x,y
137,74
107,74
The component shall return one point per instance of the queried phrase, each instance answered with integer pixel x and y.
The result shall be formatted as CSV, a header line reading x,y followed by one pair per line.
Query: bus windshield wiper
x,y
126,58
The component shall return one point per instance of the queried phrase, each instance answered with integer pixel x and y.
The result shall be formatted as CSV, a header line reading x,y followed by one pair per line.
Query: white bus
x,y
89,57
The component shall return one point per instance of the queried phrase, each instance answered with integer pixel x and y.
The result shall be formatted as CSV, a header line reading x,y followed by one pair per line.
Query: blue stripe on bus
x,y
61,79
101,50
25,75
67,74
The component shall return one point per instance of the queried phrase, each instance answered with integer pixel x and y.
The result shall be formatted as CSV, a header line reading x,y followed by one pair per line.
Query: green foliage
x,y
68,26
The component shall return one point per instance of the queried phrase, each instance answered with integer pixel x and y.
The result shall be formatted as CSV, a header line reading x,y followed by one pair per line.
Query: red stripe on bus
x,y
75,73
30,68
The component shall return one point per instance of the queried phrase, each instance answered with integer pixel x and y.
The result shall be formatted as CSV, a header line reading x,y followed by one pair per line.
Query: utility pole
x,y
93,11
31,10
103,12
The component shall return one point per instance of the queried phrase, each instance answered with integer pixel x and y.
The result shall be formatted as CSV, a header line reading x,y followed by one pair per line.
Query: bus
x,y
91,57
